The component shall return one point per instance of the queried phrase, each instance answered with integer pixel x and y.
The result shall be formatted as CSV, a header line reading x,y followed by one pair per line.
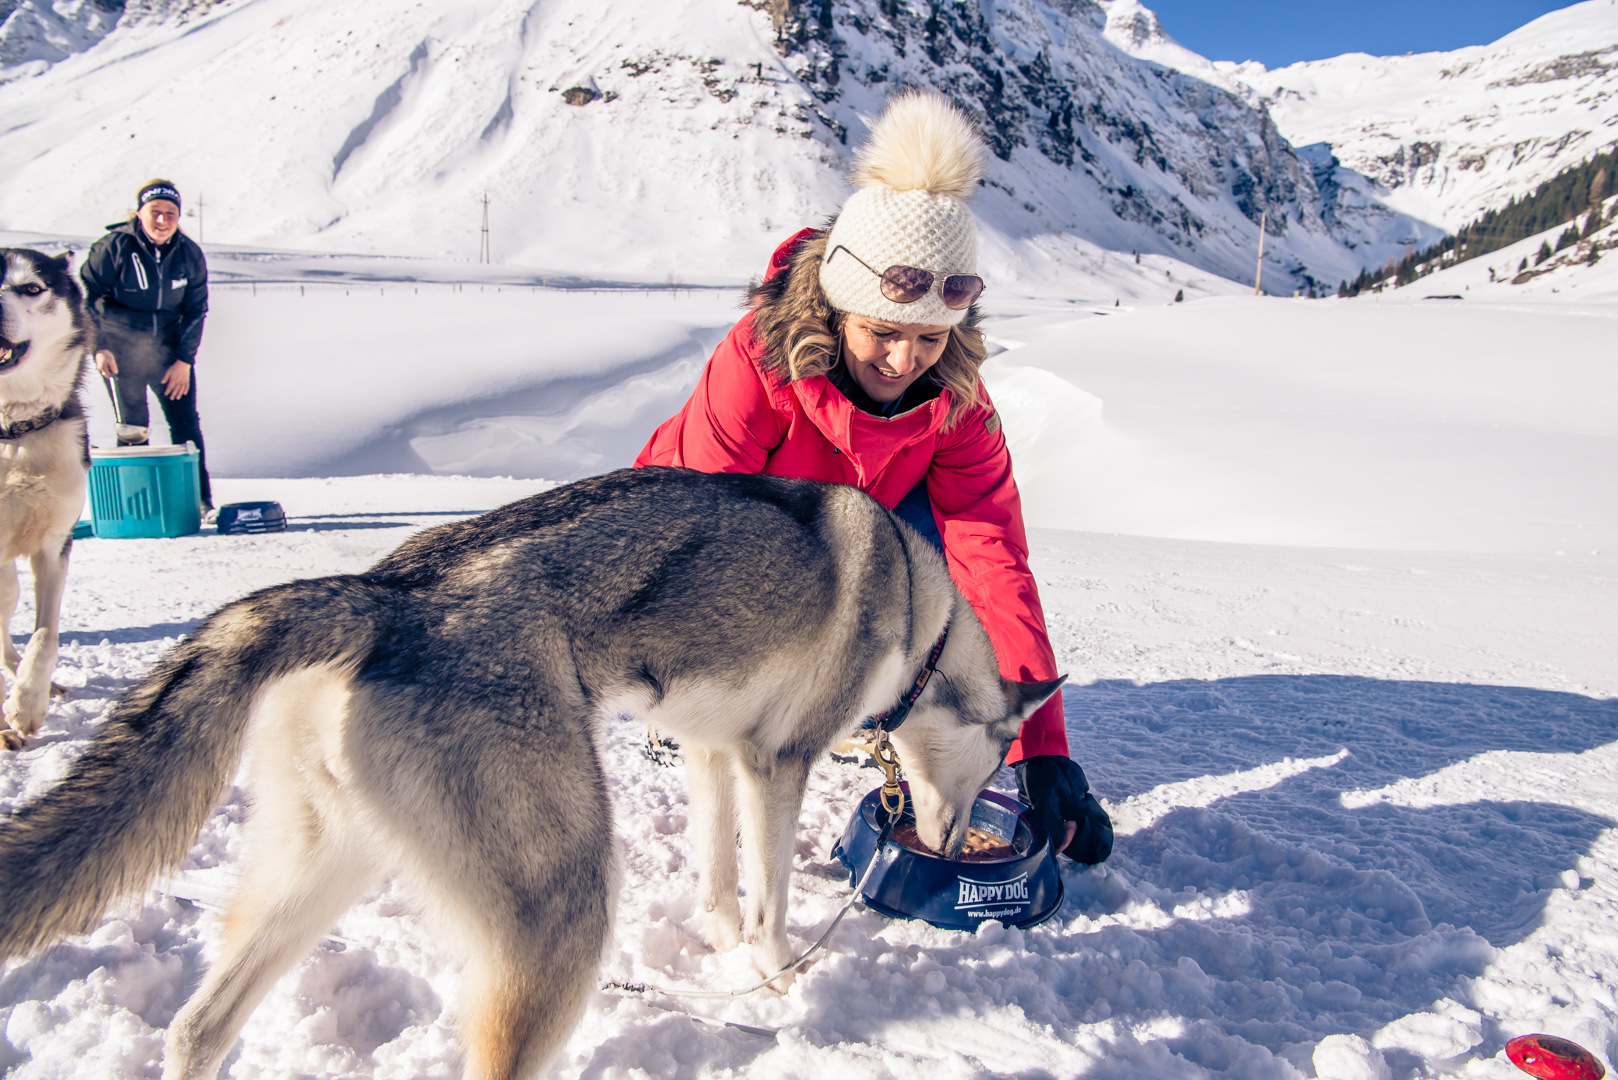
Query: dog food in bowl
x,y
981,844
1017,884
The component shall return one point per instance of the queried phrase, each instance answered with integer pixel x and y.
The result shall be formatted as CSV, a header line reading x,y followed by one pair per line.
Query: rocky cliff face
x,y
37,33
1178,161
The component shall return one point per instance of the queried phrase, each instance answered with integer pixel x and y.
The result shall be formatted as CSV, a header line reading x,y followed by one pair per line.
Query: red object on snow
x,y
1550,1058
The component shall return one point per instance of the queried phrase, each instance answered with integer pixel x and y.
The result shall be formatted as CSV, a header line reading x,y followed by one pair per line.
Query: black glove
x,y
1058,792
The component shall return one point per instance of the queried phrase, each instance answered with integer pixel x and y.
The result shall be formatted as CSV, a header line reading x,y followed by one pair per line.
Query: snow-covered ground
x,y
1333,580
1379,422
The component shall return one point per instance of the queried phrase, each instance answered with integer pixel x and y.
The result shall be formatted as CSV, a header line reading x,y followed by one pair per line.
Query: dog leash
x,y
882,841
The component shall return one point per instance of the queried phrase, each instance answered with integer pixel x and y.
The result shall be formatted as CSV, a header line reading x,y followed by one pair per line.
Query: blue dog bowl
x,y
1022,890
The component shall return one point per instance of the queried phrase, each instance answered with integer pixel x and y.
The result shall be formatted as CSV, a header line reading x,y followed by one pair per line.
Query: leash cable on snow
x,y
882,841
893,803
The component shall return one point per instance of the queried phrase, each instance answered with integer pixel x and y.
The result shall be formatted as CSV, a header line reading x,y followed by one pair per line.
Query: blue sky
x,y
1281,32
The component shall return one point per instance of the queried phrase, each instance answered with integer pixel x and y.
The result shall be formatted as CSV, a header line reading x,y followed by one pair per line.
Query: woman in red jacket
x,y
858,364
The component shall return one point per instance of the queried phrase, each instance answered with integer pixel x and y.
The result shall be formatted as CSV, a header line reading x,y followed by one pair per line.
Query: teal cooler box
x,y
143,491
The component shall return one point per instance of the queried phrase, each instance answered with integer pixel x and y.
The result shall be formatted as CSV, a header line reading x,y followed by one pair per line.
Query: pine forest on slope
x,y
1574,193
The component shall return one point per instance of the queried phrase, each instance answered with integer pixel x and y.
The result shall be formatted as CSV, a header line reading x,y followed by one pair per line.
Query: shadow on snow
x,y
1272,917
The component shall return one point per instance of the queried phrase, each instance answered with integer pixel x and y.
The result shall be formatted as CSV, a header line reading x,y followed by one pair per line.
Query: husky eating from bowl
x,y
441,716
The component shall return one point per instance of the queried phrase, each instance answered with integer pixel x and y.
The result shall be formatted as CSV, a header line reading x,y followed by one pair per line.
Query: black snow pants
x,y
141,369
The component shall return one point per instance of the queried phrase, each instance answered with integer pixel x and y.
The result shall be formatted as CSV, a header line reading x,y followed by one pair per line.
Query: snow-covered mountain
x,y
35,35
675,141
661,141
1445,136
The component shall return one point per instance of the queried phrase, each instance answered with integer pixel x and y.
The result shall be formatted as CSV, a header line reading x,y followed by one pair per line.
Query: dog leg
x,y
527,988
303,875
770,797
50,600
8,607
713,839
529,882
9,738
30,694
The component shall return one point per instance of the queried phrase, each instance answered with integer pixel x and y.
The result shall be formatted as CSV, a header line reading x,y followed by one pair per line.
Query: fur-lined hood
x,y
790,297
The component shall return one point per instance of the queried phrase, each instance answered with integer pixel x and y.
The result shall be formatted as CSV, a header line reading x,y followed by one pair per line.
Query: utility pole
x,y
485,254
1258,275
199,219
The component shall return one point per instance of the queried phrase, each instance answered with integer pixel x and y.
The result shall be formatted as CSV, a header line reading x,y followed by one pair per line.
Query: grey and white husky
x,y
438,716
44,458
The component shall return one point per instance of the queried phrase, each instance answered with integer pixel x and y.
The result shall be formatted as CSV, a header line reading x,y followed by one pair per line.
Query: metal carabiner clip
x,y
892,795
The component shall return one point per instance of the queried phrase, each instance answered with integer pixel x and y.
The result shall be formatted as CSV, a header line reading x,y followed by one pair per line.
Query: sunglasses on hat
x,y
907,284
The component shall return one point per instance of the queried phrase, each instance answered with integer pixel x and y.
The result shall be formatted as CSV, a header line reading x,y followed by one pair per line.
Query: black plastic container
x,y
251,517
1021,890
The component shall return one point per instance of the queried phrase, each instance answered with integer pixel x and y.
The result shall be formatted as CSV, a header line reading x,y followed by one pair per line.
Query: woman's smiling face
x,y
160,218
885,358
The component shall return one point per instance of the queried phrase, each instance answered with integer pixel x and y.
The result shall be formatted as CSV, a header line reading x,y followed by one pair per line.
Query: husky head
x,y
43,339
957,736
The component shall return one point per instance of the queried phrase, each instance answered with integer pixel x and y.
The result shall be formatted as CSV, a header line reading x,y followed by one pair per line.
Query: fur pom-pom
x,y
922,142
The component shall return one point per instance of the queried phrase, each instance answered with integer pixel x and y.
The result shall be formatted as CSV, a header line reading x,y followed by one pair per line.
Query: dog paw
x,y
21,719
724,929
10,739
60,691
767,960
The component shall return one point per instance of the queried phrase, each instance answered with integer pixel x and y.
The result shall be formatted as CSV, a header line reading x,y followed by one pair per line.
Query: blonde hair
x,y
802,333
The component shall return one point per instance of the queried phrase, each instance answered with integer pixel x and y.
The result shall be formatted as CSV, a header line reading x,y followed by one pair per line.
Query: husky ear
x,y
65,258
1026,697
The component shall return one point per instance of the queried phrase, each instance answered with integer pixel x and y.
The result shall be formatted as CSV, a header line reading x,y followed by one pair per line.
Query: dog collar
x,y
33,423
897,715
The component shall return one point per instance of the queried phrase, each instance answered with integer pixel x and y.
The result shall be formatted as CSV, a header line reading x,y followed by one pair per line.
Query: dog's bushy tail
x,y
131,806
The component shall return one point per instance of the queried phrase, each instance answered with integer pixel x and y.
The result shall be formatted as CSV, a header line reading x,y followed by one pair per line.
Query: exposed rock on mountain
x,y
1446,136
36,33
1167,155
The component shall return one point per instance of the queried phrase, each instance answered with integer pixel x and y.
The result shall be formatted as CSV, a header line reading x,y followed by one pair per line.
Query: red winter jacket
x,y
740,419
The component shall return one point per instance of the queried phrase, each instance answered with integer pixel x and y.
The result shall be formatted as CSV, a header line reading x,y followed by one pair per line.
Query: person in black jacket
x,y
146,285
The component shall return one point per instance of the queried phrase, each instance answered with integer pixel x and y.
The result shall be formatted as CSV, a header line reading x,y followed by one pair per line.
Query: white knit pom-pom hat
x,y
922,162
